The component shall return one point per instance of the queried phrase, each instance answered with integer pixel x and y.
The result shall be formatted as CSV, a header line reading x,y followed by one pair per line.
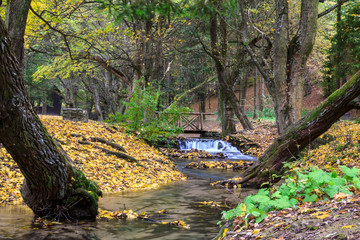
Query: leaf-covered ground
x,y
234,165
335,219
112,173
264,134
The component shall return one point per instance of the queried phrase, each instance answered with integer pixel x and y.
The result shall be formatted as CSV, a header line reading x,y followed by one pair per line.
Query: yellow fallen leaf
x,y
321,215
256,231
225,231
243,208
348,226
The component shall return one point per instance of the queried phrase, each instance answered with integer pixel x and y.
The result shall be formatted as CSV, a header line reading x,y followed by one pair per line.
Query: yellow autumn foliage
x,y
340,146
112,174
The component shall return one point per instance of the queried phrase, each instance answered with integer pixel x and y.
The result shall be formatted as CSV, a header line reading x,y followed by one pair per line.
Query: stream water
x,y
180,200
214,146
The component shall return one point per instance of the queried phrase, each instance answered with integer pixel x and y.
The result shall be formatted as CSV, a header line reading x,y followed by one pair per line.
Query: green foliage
x,y
142,116
141,9
303,186
268,114
344,53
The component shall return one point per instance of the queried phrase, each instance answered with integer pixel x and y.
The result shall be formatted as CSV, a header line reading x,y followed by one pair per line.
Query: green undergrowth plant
x,y
301,187
143,119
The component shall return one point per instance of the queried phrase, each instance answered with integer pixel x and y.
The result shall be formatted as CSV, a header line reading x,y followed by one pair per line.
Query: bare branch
x,y
341,2
207,51
179,97
266,73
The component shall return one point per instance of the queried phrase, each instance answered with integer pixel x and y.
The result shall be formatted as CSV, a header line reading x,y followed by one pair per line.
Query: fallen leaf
x,y
340,196
348,226
225,231
321,215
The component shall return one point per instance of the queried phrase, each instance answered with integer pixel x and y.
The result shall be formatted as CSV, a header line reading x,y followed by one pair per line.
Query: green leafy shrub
x,y
143,119
302,187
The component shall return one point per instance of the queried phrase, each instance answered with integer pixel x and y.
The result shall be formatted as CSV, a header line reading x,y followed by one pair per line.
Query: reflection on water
x,y
179,199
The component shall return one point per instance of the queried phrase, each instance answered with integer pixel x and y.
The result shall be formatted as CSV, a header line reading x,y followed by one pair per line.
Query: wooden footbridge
x,y
193,122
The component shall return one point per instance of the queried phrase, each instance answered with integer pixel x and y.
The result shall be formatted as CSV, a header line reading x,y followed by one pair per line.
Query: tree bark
x,y
298,136
286,83
92,86
52,186
15,21
279,90
290,60
255,97
243,87
227,98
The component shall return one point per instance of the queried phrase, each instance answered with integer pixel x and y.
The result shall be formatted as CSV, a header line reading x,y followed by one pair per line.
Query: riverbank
x,y
325,218
107,155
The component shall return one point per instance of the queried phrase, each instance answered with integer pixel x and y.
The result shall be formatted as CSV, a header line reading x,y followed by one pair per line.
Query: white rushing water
x,y
214,146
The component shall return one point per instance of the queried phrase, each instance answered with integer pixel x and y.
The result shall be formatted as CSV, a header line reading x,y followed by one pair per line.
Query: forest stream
x,y
177,201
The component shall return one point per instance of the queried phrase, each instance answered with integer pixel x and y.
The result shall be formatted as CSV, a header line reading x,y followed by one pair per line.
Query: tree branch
x,y
341,2
267,74
97,59
178,97
207,51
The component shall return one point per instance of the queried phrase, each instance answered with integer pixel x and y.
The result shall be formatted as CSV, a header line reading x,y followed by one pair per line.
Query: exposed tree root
x,y
111,144
107,151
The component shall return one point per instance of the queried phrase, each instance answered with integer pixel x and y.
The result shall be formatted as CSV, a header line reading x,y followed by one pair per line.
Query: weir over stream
x,y
214,146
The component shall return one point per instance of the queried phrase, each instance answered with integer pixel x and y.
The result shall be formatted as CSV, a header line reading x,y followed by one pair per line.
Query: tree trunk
x,y
44,108
279,90
338,54
93,88
255,96
15,20
227,95
290,61
243,87
261,96
227,113
219,51
298,136
52,186
286,84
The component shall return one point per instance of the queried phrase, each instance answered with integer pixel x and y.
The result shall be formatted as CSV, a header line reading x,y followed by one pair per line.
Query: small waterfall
x,y
214,146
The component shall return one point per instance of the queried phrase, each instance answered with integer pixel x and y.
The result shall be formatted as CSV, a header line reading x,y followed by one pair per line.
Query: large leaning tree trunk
x,y
299,135
52,186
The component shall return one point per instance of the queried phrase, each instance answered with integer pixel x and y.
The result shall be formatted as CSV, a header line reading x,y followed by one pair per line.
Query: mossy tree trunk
x,y
299,135
53,187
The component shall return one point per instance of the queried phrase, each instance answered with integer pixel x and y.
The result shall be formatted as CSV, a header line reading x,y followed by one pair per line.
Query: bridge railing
x,y
191,122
